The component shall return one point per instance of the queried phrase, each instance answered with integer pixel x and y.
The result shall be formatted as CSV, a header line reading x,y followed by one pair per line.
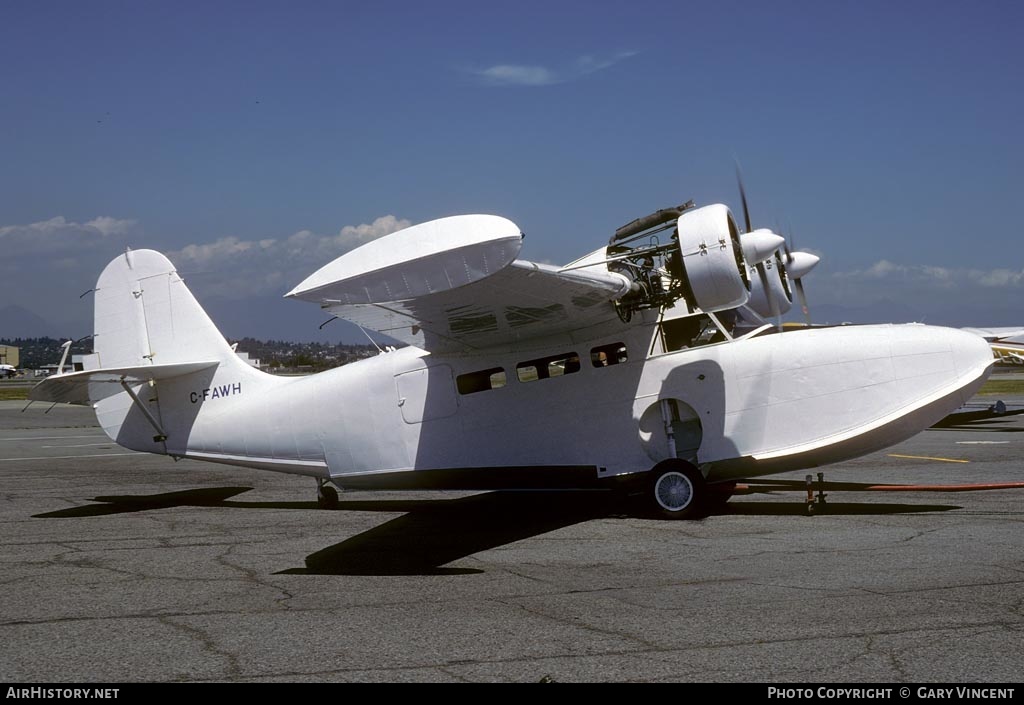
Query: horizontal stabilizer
x,y
91,386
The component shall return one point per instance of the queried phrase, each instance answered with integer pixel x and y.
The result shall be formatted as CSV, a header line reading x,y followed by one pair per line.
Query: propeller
x,y
762,273
791,268
799,264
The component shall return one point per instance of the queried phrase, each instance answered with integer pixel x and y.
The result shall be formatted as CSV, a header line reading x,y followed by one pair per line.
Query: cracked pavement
x,y
135,568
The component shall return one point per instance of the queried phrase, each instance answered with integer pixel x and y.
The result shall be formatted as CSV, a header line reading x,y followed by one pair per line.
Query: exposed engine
x,y
698,256
685,253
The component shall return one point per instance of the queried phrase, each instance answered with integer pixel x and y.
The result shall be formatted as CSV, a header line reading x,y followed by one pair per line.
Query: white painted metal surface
x,y
706,240
800,263
418,261
759,245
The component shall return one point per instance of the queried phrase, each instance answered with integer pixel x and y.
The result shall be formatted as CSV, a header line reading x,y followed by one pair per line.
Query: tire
x,y
676,490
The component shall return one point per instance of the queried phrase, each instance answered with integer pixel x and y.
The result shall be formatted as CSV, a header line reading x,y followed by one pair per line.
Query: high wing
x,y
454,284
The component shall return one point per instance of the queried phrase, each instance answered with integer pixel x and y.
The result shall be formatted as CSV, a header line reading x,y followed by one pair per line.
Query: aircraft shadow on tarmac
x,y
989,426
424,540
124,504
432,533
982,420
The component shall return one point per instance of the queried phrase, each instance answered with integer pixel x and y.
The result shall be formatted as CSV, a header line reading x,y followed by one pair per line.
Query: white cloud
x,y
219,250
924,276
1000,278
110,226
880,269
45,265
946,295
589,64
60,237
249,267
526,75
505,74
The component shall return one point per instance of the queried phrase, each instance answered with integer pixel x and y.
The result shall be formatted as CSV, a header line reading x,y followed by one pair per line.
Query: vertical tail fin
x,y
149,327
145,315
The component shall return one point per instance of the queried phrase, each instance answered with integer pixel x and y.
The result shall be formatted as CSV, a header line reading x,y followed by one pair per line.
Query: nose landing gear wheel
x,y
676,490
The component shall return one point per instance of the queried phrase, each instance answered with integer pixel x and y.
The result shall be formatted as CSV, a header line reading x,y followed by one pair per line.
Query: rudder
x,y
146,315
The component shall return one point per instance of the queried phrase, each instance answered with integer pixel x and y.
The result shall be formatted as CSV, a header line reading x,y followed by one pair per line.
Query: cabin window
x,y
608,355
692,332
473,382
545,367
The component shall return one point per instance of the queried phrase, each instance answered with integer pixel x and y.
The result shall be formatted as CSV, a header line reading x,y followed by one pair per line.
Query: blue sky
x,y
255,141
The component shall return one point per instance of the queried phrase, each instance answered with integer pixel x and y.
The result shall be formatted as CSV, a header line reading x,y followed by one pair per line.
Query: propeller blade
x,y
797,265
773,305
762,273
743,197
803,301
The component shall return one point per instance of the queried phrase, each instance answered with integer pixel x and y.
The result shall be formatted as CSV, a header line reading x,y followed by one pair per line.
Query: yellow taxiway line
x,y
928,457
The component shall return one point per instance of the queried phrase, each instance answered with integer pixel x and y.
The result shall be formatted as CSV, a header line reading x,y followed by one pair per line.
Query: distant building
x,y
9,355
254,362
51,369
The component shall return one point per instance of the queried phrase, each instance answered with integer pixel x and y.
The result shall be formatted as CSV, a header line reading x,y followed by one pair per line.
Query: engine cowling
x,y
712,258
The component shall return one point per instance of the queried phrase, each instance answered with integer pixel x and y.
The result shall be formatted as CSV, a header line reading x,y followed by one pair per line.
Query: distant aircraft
x,y
1007,343
622,370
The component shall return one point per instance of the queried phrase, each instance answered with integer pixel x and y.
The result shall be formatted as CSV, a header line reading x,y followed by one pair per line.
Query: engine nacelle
x,y
712,258
778,289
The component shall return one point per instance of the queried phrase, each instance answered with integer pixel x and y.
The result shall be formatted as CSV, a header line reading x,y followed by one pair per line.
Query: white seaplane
x,y
636,367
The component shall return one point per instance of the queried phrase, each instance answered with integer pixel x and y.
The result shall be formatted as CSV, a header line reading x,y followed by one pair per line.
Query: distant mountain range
x,y
19,322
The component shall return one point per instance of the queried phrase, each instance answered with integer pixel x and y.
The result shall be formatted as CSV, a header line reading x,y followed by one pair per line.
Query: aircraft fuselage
x,y
569,413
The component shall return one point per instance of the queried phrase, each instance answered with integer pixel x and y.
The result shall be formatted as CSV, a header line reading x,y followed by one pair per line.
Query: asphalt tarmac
x,y
120,567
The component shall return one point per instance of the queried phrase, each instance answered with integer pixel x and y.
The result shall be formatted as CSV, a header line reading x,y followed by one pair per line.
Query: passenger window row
x,y
541,368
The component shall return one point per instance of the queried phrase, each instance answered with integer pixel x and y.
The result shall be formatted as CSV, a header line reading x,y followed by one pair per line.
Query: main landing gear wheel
x,y
676,490
326,497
